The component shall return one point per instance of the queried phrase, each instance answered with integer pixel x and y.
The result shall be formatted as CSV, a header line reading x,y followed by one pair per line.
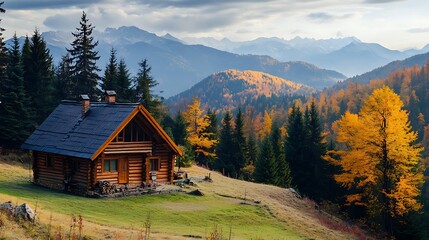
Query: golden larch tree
x,y
379,160
197,122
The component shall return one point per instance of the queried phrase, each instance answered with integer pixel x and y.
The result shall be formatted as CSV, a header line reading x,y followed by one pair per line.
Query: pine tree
x,y
252,149
250,157
265,166
283,176
225,148
239,142
179,130
63,79
84,58
123,89
26,60
15,121
144,89
379,161
318,178
294,147
38,76
110,78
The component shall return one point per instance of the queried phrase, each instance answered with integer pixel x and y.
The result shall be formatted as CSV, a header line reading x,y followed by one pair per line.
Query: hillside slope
x,y
279,215
232,88
384,71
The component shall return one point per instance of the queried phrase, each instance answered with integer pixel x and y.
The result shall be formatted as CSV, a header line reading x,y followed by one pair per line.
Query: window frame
x,y
151,165
110,165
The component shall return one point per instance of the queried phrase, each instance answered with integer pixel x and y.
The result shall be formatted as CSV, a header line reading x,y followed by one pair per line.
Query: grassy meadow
x,y
172,216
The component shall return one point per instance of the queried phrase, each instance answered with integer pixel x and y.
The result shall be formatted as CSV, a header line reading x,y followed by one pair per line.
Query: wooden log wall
x,y
49,176
136,169
164,173
135,165
111,177
61,169
128,147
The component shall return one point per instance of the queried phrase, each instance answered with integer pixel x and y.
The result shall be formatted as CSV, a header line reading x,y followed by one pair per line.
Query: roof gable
x,y
151,122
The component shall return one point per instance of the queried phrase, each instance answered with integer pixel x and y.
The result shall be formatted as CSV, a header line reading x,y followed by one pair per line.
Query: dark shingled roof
x,y
66,132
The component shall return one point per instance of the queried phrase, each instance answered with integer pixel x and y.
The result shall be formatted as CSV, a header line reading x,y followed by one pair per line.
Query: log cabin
x,y
84,146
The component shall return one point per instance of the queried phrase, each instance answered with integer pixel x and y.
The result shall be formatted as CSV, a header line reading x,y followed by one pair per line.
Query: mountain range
x,y
178,66
348,55
229,89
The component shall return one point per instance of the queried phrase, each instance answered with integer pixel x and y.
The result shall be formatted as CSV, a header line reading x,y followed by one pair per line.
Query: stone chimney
x,y
85,103
110,96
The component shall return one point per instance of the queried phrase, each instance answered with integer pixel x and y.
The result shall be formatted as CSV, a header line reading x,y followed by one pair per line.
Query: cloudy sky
x,y
396,24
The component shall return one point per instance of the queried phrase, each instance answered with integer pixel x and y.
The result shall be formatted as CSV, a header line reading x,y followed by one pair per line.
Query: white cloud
x,y
239,20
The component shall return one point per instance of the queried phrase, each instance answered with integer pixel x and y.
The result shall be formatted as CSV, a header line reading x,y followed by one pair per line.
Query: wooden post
x,y
171,168
147,170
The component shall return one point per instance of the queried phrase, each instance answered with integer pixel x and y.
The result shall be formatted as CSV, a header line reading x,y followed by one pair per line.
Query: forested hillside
x,y
232,88
384,71
298,141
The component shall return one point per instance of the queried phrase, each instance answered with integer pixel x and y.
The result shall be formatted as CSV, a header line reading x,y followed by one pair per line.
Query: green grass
x,y
173,214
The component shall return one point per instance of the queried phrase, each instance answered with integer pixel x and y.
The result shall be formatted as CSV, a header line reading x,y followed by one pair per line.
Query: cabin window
x,y
49,161
110,165
154,164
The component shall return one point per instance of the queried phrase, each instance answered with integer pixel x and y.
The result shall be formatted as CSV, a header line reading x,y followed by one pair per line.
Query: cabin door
x,y
122,171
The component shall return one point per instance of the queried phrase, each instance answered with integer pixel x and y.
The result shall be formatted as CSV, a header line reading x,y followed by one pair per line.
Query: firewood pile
x,y
104,188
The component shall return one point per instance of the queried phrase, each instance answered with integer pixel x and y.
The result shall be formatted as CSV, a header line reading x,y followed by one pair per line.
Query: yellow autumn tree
x,y
266,125
198,122
379,161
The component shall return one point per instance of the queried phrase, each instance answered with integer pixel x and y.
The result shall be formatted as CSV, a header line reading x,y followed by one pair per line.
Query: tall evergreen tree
x,y
39,76
252,149
15,121
110,78
179,130
318,181
63,79
144,89
213,126
225,148
123,89
283,176
27,61
294,147
239,142
84,58
265,166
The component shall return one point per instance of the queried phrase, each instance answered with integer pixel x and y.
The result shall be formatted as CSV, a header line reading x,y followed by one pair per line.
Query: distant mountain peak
x,y
232,88
172,38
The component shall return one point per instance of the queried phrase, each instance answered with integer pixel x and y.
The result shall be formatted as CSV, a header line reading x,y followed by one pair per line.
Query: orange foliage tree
x,y
197,121
379,160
